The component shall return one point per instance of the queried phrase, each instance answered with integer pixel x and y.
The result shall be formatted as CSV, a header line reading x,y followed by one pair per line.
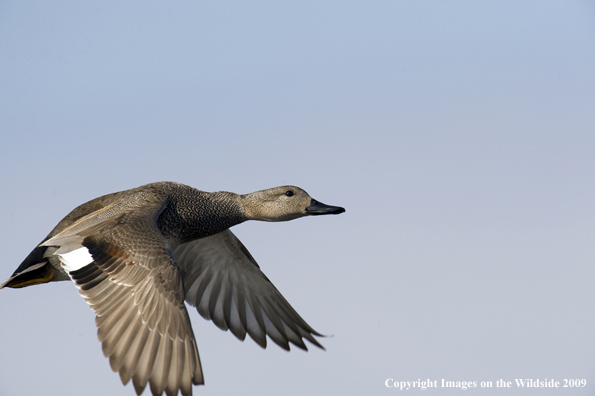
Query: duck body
x,y
186,214
137,255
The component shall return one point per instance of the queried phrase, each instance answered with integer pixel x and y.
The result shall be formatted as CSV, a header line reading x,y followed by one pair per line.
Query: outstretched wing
x,y
125,270
226,286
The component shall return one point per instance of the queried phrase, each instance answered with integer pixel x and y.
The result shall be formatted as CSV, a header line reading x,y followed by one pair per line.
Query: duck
x,y
138,256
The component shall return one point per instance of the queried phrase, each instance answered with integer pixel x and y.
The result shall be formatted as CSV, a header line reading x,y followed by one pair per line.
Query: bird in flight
x,y
137,255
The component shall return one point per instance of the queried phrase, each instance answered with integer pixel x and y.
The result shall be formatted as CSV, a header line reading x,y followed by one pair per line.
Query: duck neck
x,y
200,214
253,206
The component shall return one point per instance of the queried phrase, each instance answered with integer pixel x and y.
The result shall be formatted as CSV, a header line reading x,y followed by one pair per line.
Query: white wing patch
x,y
76,259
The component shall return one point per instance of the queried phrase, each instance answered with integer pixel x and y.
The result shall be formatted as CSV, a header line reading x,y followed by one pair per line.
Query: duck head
x,y
282,204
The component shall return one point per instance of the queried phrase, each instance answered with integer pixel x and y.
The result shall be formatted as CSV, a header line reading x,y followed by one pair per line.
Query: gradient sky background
x,y
459,136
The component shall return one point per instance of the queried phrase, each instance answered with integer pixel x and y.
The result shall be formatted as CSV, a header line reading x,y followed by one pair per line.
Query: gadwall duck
x,y
137,255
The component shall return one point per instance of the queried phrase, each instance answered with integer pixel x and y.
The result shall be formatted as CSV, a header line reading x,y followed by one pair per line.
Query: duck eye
x,y
289,193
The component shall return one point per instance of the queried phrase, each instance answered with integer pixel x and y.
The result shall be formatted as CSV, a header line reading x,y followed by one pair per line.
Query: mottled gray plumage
x,y
153,247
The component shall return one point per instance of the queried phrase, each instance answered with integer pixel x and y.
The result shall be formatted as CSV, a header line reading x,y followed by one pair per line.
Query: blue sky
x,y
459,136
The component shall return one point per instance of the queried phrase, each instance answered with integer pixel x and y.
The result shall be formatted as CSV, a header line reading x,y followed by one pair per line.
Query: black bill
x,y
318,208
